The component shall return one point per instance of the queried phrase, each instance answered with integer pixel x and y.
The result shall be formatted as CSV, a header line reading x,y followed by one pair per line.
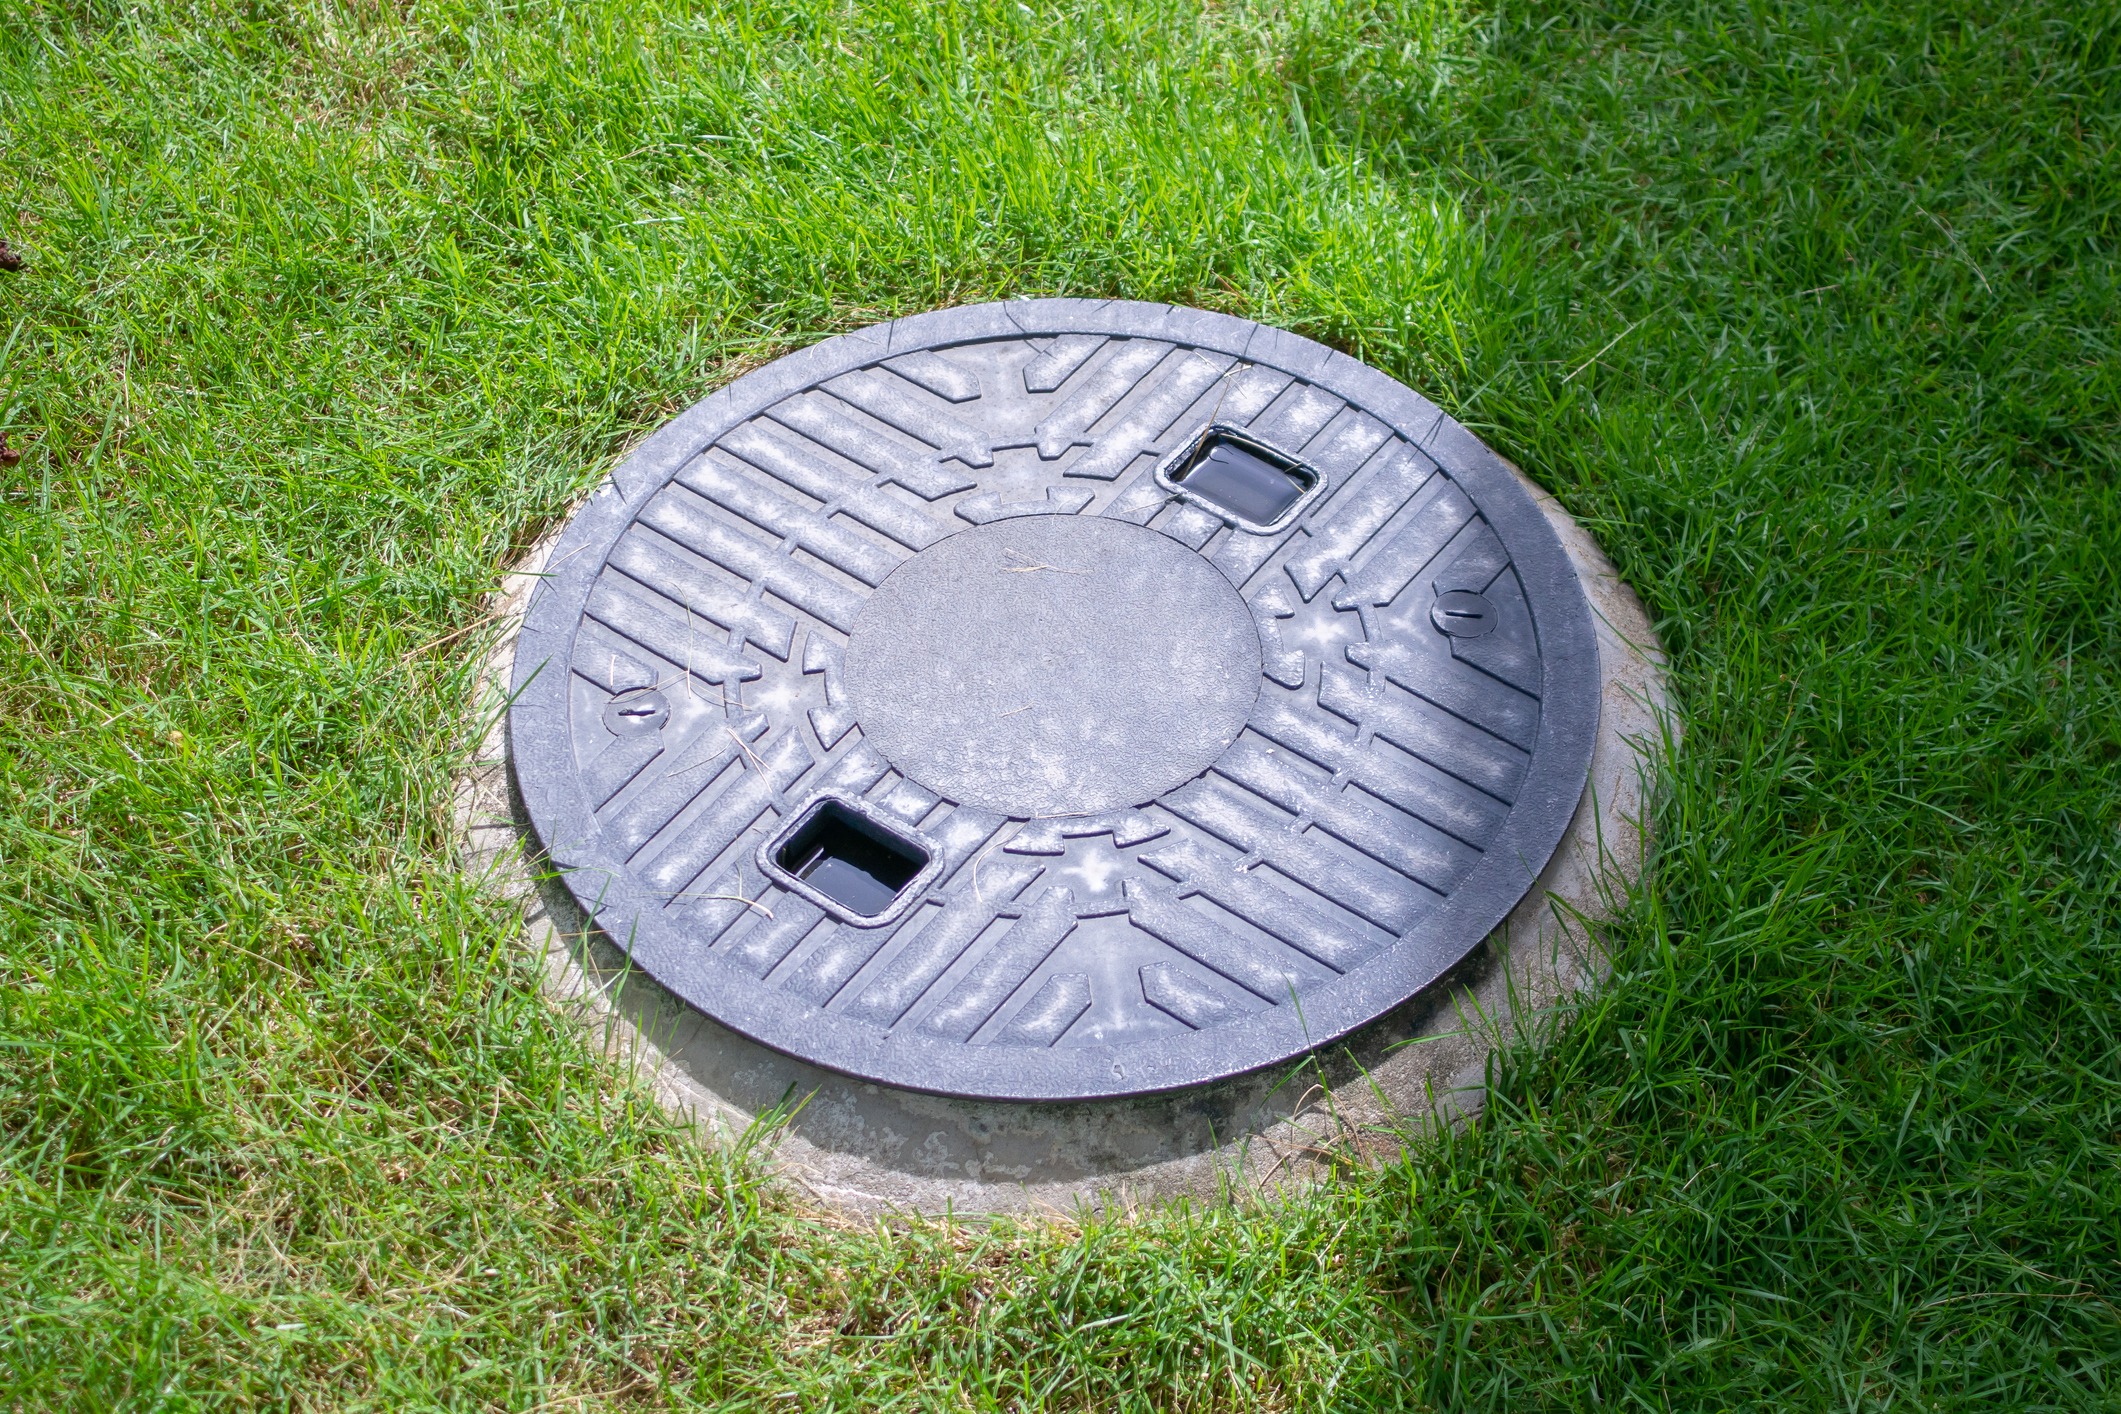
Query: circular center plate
x,y
889,707
1053,665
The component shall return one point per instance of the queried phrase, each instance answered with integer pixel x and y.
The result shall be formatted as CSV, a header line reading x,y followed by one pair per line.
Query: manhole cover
x,y
1054,699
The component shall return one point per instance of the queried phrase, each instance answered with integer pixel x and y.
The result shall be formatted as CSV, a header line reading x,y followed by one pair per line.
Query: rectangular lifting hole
x,y
850,859
1242,478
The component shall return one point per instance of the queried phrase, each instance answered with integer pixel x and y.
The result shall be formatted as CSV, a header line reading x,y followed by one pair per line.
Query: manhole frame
x,y
1546,802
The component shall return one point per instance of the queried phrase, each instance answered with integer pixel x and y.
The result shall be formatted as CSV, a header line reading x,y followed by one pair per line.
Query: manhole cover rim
x,y
1533,827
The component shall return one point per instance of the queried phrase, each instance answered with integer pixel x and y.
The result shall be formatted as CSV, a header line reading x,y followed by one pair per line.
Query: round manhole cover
x,y
1054,699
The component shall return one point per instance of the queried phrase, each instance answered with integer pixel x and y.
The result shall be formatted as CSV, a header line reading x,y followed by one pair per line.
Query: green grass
x,y
1808,310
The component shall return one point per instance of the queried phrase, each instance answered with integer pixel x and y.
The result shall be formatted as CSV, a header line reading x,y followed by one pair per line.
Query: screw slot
x,y
1463,614
637,713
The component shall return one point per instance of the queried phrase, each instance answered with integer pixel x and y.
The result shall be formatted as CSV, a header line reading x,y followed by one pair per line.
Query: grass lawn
x,y
1809,310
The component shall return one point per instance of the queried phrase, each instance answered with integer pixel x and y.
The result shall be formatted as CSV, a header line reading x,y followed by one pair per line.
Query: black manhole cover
x,y
1054,699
